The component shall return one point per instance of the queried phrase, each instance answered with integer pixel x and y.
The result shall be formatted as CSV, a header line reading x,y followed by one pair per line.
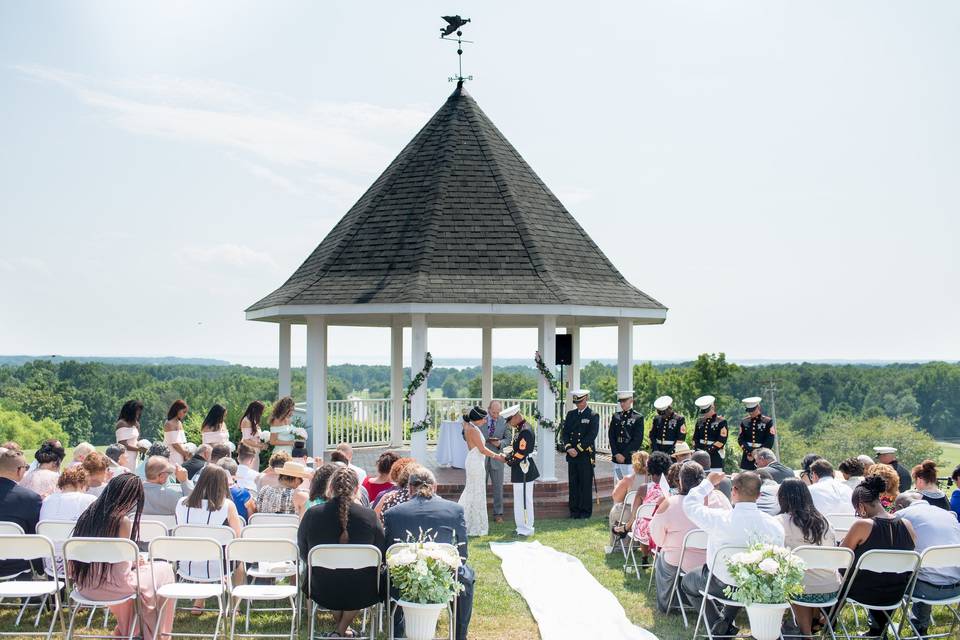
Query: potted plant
x,y
424,574
767,578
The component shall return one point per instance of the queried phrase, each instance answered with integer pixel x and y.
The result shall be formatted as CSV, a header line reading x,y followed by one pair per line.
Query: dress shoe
x,y
498,518
724,628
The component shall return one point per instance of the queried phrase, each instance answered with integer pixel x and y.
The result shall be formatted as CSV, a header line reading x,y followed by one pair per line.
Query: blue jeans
x,y
921,612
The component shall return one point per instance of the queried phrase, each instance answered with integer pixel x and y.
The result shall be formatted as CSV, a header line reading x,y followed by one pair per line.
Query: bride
x,y
474,496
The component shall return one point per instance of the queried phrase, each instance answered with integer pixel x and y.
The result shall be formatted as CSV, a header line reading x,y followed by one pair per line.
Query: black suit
x,y
580,430
21,506
446,519
193,466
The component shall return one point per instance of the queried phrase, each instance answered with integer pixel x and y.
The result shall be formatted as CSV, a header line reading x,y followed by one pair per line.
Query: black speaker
x,y
564,348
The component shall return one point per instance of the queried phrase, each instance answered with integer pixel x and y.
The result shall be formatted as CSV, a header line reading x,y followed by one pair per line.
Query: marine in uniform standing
x,y
580,428
625,435
710,434
668,427
523,469
756,431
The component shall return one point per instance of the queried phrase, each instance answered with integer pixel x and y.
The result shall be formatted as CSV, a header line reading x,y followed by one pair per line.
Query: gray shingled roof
x,y
458,217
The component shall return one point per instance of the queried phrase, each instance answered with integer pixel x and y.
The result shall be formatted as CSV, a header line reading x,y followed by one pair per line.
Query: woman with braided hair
x,y
342,520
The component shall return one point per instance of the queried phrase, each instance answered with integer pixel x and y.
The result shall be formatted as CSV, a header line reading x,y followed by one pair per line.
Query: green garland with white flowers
x,y
423,425
547,374
420,378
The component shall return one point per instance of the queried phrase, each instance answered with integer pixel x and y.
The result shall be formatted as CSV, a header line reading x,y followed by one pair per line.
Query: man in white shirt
x,y
247,473
829,494
347,452
741,527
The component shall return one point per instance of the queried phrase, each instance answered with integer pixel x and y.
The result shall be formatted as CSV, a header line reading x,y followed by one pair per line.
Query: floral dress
x,y
641,528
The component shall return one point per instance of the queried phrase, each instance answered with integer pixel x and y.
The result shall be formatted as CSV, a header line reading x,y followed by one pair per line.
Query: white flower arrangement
x,y
424,571
264,435
144,444
300,433
766,574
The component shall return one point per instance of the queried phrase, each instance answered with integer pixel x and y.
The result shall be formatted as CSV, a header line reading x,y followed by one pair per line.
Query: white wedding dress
x,y
474,496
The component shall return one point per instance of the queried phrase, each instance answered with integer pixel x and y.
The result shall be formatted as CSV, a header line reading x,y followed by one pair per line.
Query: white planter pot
x,y
420,620
418,445
766,620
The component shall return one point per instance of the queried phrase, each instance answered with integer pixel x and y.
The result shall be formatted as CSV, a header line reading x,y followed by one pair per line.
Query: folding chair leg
x,y
653,570
93,610
73,617
696,629
26,603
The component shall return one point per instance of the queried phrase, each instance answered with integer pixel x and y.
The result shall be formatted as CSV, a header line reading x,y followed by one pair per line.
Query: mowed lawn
x,y
949,459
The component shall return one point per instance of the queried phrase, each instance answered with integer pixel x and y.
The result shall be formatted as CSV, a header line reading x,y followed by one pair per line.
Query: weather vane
x,y
454,23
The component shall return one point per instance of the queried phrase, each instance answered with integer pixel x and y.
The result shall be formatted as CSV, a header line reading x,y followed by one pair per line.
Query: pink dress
x,y
641,528
120,582
41,481
128,435
175,437
215,437
668,528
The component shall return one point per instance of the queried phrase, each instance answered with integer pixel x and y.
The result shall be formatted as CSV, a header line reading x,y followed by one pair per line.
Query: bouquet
x,y
300,433
144,444
766,574
424,571
264,435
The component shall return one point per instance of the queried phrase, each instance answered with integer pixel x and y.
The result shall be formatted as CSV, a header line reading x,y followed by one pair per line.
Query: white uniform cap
x,y
625,394
579,394
751,402
510,411
704,402
662,403
882,450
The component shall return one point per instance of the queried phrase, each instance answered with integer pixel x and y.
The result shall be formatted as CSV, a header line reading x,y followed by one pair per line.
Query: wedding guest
x,y
213,431
319,485
725,486
865,460
286,497
161,496
80,452
852,471
250,426
282,436
14,446
955,496
43,479
767,501
173,434
199,459
155,449
128,430
808,460
219,451
829,494
17,504
381,482
270,476
625,485
670,525
72,498
97,467
108,517
925,480
118,456
650,493
395,471
767,459
888,455
803,525
347,452
249,465
673,478
242,499
400,474
341,520
891,483
877,529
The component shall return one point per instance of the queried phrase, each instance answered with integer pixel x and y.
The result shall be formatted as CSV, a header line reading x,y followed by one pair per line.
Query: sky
x,y
781,175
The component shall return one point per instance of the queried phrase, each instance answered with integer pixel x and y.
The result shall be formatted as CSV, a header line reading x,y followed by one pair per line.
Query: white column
x,y
625,354
317,384
418,403
573,371
283,366
396,383
486,373
546,400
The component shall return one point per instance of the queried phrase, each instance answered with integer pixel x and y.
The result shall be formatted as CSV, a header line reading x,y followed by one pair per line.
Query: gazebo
x,y
458,231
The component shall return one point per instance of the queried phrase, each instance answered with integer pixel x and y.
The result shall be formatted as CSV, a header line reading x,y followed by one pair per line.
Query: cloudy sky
x,y
782,175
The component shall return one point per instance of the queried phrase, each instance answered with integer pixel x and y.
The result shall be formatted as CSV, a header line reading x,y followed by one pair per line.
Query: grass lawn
x,y
950,458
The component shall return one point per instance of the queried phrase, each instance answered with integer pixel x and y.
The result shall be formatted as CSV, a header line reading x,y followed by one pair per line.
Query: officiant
x,y
523,468
494,436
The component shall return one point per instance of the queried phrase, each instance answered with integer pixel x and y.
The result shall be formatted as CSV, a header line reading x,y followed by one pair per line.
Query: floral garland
x,y
545,423
547,374
423,425
419,379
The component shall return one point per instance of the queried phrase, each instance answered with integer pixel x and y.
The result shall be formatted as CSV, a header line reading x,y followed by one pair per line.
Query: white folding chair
x,y
841,520
59,531
694,540
31,547
177,550
939,557
264,571
644,511
170,522
393,605
10,528
252,550
719,559
885,561
623,516
108,551
150,530
275,518
340,556
837,559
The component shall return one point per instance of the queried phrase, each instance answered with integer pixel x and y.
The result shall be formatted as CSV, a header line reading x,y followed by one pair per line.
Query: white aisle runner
x,y
565,599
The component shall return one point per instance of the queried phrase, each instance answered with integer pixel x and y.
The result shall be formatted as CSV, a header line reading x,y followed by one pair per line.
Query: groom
x,y
523,469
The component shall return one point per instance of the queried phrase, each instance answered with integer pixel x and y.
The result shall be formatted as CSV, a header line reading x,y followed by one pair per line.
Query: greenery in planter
x,y
425,571
766,574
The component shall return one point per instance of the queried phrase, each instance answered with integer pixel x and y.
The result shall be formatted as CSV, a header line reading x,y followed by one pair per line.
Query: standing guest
x,y
396,472
17,504
96,465
625,435
80,452
710,433
287,496
767,459
160,496
270,476
173,434
580,428
932,527
829,494
493,434
213,431
668,427
852,471
342,521
808,460
725,487
347,452
242,499
740,527
381,482
43,479
155,449
250,426
128,430
877,530
108,517
118,455
925,480
803,525
888,455
281,425
756,431
248,471
652,493
955,496
891,484
320,484
767,501
71,500
198,460
670,525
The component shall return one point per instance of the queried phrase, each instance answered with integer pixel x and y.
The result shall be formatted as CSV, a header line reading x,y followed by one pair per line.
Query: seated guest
x,y
925,480
71,500
320,484
877,530
242,499
108,517
891,483
381,482
682,452
399,474
80,452
43,479
670,525
155,449
347,452
865,460
852,471
218,452
117,455
426,510
767,501
53,442
270,476
97,467
808,460
247,472
932,526
767,459
160,497
829,494
341,520
742,526
804,525
702,458
625,485
287,496
955,496
650,493
198,460
673,478
395,470
17,504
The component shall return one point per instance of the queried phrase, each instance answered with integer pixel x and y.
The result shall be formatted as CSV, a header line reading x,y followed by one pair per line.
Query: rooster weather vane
x,y
454,24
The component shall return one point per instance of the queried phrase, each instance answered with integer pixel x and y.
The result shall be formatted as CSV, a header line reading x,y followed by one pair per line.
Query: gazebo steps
x,y
550,498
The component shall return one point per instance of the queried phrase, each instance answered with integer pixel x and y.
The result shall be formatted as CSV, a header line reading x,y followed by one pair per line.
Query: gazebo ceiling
x,y
459,227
